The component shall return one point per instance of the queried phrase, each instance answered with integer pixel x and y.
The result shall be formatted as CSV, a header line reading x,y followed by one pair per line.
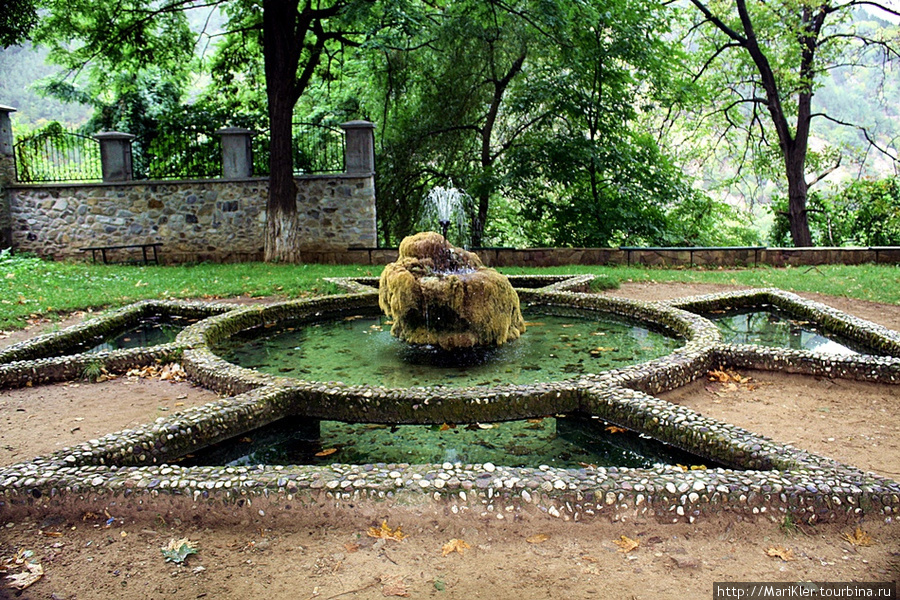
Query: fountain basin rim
x,y
202,336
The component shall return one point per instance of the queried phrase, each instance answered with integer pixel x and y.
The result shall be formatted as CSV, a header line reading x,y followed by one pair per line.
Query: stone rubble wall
x,y
717,257
196,220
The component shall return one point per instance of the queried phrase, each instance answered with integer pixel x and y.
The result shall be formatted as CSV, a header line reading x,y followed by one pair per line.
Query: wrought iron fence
x,y
315,148
188,153
55,154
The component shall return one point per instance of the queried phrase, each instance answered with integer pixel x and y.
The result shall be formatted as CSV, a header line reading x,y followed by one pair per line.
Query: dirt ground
x,y
329,554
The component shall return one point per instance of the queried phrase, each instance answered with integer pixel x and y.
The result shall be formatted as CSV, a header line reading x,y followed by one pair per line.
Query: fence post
x,y
237,157
115,155
7,175
359,147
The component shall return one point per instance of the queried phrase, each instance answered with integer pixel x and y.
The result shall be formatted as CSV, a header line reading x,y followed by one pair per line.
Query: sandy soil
x,y
328,554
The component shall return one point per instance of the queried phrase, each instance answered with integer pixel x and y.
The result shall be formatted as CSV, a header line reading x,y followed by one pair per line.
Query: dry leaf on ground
x,y
859,538
393,586
168,372
454,545
32,572
626,544
538,538
785,554
386,533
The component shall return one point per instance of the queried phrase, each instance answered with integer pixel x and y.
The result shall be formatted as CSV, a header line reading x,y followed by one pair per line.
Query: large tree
x,y
131,36
762,62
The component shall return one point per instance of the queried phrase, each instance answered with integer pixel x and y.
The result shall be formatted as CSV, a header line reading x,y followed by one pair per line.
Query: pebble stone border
x,y
130,470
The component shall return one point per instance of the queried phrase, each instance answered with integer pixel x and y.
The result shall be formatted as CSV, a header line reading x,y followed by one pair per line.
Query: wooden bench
x,y
144,247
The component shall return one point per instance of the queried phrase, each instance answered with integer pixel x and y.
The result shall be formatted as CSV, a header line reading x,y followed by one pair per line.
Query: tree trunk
x,y
281,60
797,196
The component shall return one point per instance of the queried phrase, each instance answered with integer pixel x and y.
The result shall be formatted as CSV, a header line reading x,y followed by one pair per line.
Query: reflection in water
x,y
358,349
564,441
771,327
151,331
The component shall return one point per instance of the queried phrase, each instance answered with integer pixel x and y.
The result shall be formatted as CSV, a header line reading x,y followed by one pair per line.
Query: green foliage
x,y
699,220
863,213
93,370
17,20
547,141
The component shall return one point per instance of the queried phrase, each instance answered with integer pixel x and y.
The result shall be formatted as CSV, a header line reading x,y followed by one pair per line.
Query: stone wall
x,y
656,257
216,220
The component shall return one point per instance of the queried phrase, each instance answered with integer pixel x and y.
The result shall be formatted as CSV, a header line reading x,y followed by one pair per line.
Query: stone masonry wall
x,y
217,220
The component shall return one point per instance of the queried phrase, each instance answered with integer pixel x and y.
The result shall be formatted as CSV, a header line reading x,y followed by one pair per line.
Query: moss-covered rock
x,y
444,296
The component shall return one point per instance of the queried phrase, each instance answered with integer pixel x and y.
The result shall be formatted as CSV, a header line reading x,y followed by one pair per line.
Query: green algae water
x,y
150,331
562,441
358,349
771,327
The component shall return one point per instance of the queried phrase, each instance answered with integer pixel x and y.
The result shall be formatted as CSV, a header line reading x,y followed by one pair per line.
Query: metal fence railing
x,y
188,154
315,148
55,154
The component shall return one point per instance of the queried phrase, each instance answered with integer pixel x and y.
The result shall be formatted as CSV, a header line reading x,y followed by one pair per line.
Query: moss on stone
x,y
444,296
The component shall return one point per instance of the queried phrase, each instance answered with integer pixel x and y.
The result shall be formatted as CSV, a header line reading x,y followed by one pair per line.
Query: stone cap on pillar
x,y
6,136
113,135
359,147
237,155
115,155
235,131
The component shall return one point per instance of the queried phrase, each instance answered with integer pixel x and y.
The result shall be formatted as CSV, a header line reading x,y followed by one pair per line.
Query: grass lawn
x,y
32,287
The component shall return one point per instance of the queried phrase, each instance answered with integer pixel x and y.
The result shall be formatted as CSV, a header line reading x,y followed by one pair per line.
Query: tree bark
x,y
793,144
282,55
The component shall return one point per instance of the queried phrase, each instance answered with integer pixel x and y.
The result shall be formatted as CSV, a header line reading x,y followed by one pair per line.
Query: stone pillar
x,y
359,147
7,175
237,157
115,155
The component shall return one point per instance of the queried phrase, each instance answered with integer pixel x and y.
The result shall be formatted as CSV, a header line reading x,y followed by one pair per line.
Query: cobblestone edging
x,y
129,469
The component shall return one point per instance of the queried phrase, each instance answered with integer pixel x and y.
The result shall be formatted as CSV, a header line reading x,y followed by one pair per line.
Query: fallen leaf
x,y
720,376
859,538
50,533
626,544
445,427
600,350
785,554
386,533
20,581
326,452
177,551
454,545
614,429
538,538
393,586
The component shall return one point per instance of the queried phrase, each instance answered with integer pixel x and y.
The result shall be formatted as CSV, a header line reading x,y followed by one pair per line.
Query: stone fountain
x,y
444,296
